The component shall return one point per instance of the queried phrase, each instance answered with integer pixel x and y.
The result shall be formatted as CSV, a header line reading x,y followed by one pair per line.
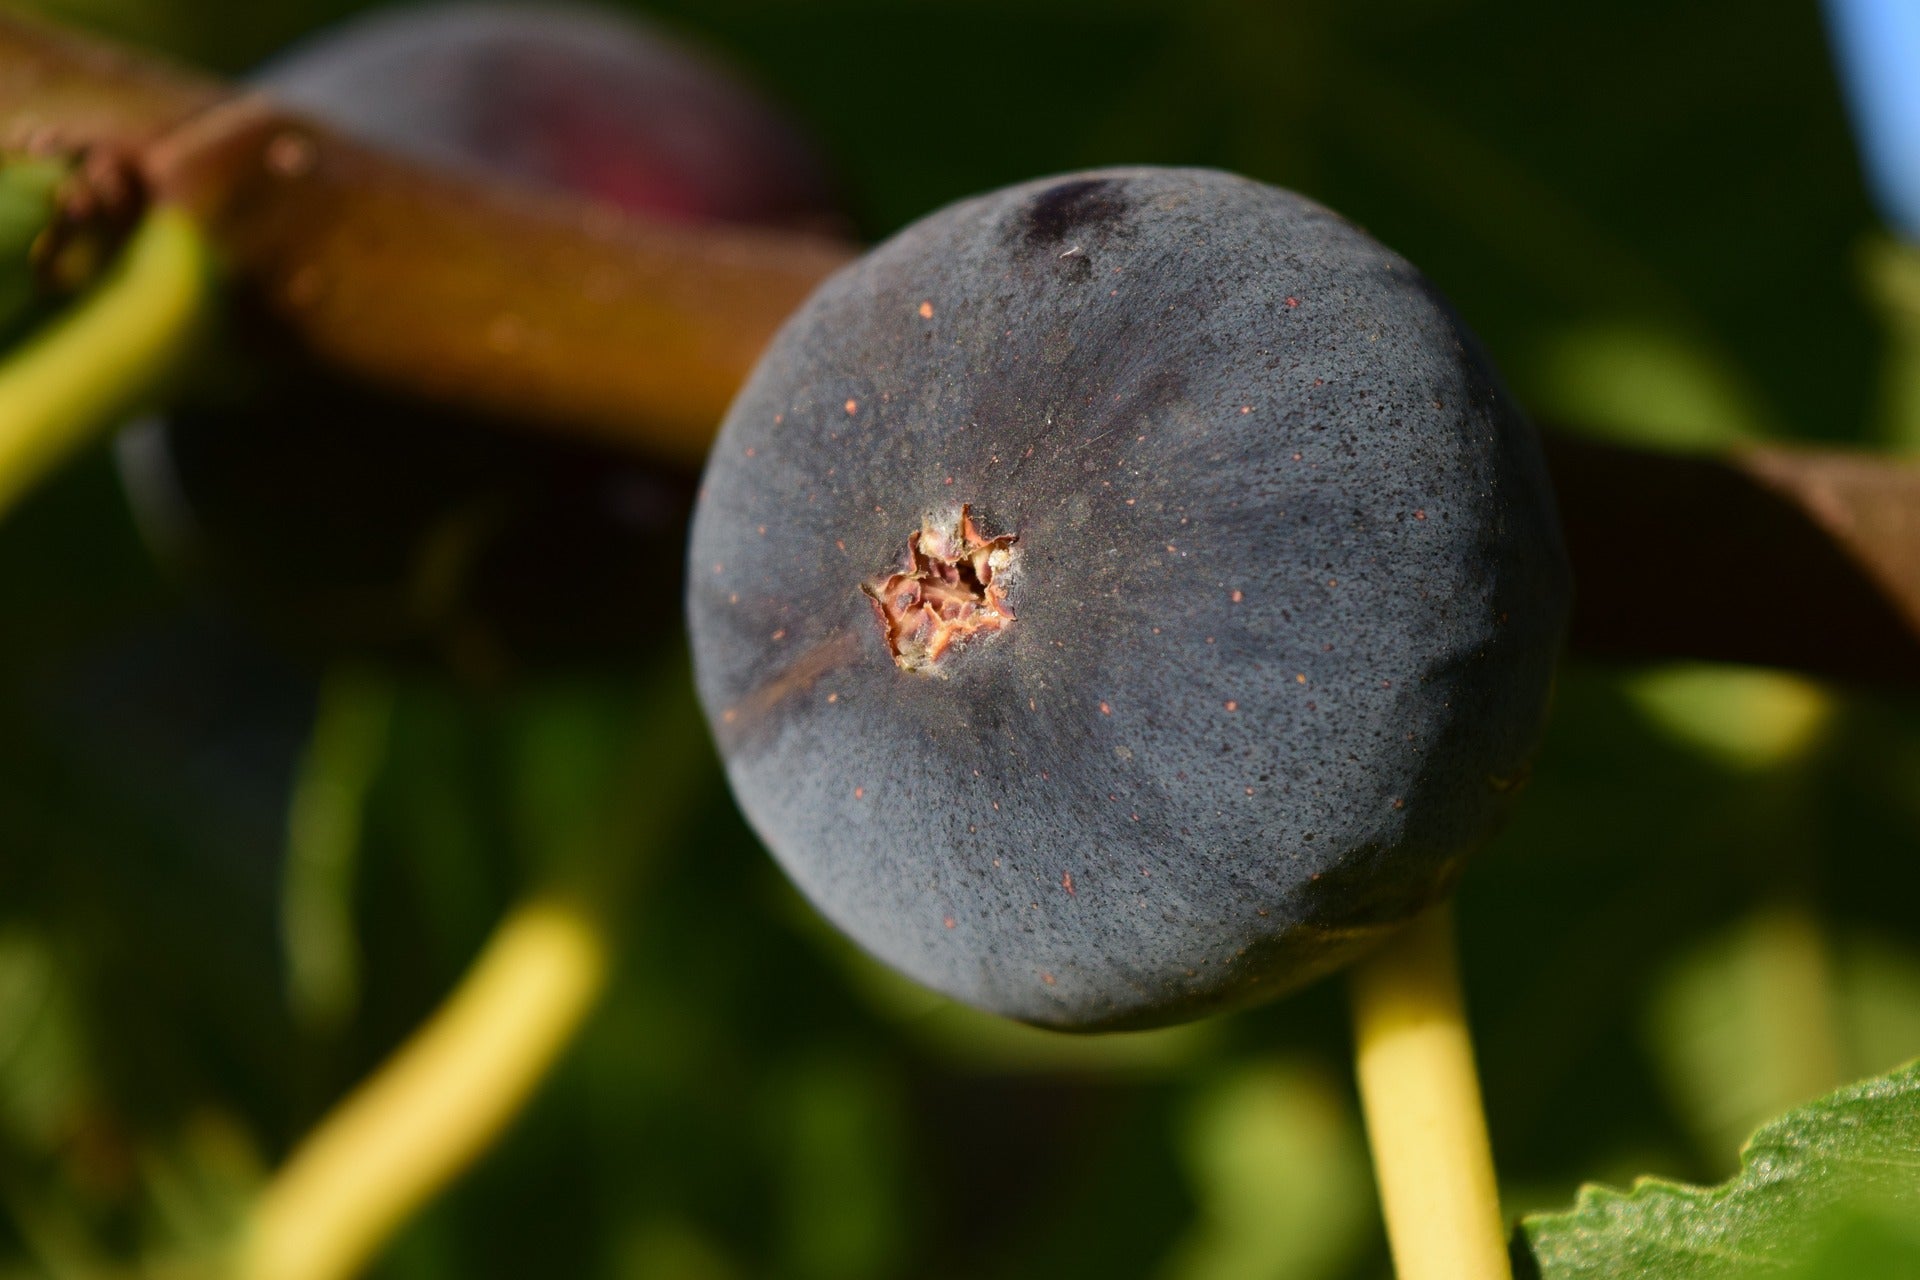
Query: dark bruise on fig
x,y
1289,593
1065,206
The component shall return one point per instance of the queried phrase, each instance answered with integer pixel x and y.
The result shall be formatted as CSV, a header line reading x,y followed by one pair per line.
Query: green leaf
x,y
1744,717
1654,386
1864,1247
1853,1155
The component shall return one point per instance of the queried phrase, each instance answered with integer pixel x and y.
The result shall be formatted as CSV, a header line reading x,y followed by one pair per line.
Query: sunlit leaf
x,y
1646,385
1851,1153
1745,718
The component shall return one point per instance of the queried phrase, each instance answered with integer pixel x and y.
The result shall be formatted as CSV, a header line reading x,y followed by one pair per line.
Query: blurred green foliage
x,y
229,883
27,192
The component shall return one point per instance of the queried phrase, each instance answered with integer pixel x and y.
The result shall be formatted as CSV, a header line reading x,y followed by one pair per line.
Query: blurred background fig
x,y
562,97
1124,596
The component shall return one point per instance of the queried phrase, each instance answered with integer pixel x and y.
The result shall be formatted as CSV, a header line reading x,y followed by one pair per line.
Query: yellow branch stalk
x,y
1421,1096
436,1105
96,361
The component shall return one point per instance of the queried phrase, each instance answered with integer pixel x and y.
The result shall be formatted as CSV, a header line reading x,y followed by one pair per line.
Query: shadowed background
x,y
230,880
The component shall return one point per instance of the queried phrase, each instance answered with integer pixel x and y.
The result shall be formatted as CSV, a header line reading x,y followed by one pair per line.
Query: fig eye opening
x,y
951,589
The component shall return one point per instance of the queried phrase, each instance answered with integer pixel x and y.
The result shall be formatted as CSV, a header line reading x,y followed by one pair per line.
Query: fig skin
x,y
1288,593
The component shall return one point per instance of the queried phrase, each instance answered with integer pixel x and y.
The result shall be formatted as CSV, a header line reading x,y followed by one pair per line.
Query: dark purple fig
x,y
1125,596
346,519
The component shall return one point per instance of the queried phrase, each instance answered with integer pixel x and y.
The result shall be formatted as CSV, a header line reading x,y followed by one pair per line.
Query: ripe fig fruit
x,y
1124,596
350,520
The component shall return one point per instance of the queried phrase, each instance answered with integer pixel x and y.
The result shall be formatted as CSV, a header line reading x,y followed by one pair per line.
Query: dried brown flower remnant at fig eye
x,y
952,588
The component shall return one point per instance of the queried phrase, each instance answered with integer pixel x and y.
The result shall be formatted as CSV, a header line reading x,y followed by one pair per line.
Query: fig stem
x,y
115,346
1421,1096
438,1103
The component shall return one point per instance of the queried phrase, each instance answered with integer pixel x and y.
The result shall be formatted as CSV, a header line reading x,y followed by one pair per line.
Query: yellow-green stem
x,y
437,1104
1421,1096
101,357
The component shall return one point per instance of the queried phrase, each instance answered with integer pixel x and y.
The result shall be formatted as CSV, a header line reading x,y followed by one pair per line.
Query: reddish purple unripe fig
x,y
1125,596
564,97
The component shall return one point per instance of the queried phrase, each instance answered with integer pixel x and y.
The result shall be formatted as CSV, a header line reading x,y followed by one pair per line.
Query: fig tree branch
x,y
1784,557
61,87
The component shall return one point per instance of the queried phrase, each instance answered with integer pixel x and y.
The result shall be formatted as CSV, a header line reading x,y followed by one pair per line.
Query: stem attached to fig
x,y
1421,1096
437,1104
97,360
